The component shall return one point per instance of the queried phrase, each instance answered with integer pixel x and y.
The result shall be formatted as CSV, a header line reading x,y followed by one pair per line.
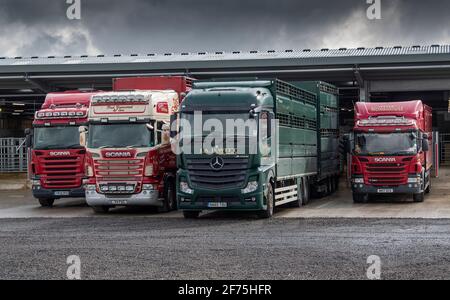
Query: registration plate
x,y
62,193
217,204
119,202
385,191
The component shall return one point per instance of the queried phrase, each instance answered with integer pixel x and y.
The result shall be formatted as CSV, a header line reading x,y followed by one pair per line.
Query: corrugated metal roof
x,y
227,56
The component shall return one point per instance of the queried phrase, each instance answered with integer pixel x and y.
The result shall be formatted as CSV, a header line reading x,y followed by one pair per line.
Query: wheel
x,y
330,186
428,189
360,198
419,197
170,198
300,195
336,184
101,209
268,212
306,192
188,214
46,202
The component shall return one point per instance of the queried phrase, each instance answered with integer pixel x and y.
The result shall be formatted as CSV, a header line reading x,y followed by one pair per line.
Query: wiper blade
x,y
110,146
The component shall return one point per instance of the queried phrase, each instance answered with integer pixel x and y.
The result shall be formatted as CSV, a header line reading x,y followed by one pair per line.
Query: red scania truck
x,y
57,158
129,157
390,149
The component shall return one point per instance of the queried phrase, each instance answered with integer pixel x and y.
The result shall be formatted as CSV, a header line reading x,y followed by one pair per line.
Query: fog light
x,y
112,188
121,188
104,188
184,188
183,199
130,188
250,188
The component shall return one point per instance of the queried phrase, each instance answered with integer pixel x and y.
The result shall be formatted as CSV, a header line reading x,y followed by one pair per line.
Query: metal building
x,y
369,74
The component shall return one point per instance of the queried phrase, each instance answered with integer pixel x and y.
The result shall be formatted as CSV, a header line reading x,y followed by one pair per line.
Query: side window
x,y
265,133
158,132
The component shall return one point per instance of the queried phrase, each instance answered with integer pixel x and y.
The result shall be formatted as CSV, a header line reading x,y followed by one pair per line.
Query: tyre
x,y
46,202
170,198
330,186
191,214
306,192
268,212
101,209
360,198
428,189
336,183
418,198
300,195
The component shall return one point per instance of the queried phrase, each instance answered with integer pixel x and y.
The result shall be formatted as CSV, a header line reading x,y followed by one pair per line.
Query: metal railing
x,y
444,141
13,156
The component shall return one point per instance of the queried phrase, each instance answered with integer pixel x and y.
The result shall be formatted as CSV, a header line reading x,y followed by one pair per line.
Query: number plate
x,y
217,204
385,191
62,193
119,202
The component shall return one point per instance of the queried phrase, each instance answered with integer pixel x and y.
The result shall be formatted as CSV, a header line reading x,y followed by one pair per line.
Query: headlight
x,y
358,180
35,182
148,170
184,188
90,187
413,179
104,188
89,171
251,187
148,187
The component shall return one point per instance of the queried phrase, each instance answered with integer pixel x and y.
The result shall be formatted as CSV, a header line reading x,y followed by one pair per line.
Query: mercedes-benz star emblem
x,y
217,163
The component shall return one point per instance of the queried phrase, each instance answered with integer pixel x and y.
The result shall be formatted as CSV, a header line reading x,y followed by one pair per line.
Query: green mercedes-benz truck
x,y
254,145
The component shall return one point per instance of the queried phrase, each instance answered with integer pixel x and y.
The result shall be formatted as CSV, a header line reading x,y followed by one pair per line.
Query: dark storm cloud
x,y
40,27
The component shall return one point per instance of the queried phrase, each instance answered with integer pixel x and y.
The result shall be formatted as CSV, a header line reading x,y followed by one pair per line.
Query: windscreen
x,y
120,136
394,144
63,137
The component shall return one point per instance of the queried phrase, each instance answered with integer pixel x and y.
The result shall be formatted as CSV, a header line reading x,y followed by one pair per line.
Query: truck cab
x,y
390,150
57,158
129,156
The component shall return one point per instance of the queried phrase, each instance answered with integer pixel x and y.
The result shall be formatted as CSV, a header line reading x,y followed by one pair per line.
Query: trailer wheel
x,y
330,186
360,198
336,183
169,203
188,214
268,212
418,198
300,195
306,191
100,209
46,202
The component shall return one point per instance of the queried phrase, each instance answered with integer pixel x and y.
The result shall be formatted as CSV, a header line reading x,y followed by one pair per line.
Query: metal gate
x,y
13,157
445,148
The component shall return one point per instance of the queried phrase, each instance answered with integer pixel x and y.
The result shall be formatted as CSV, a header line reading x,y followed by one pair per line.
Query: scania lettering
x,y
273,167
129,157
57,158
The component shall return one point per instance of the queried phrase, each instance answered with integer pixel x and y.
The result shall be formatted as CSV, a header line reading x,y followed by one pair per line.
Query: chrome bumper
x,y
144,198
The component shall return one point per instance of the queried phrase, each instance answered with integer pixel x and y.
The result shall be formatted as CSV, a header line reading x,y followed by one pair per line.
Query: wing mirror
x,y
83,130
28,137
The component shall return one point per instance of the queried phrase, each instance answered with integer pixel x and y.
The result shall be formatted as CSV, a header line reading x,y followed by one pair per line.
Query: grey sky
x,y
40,27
